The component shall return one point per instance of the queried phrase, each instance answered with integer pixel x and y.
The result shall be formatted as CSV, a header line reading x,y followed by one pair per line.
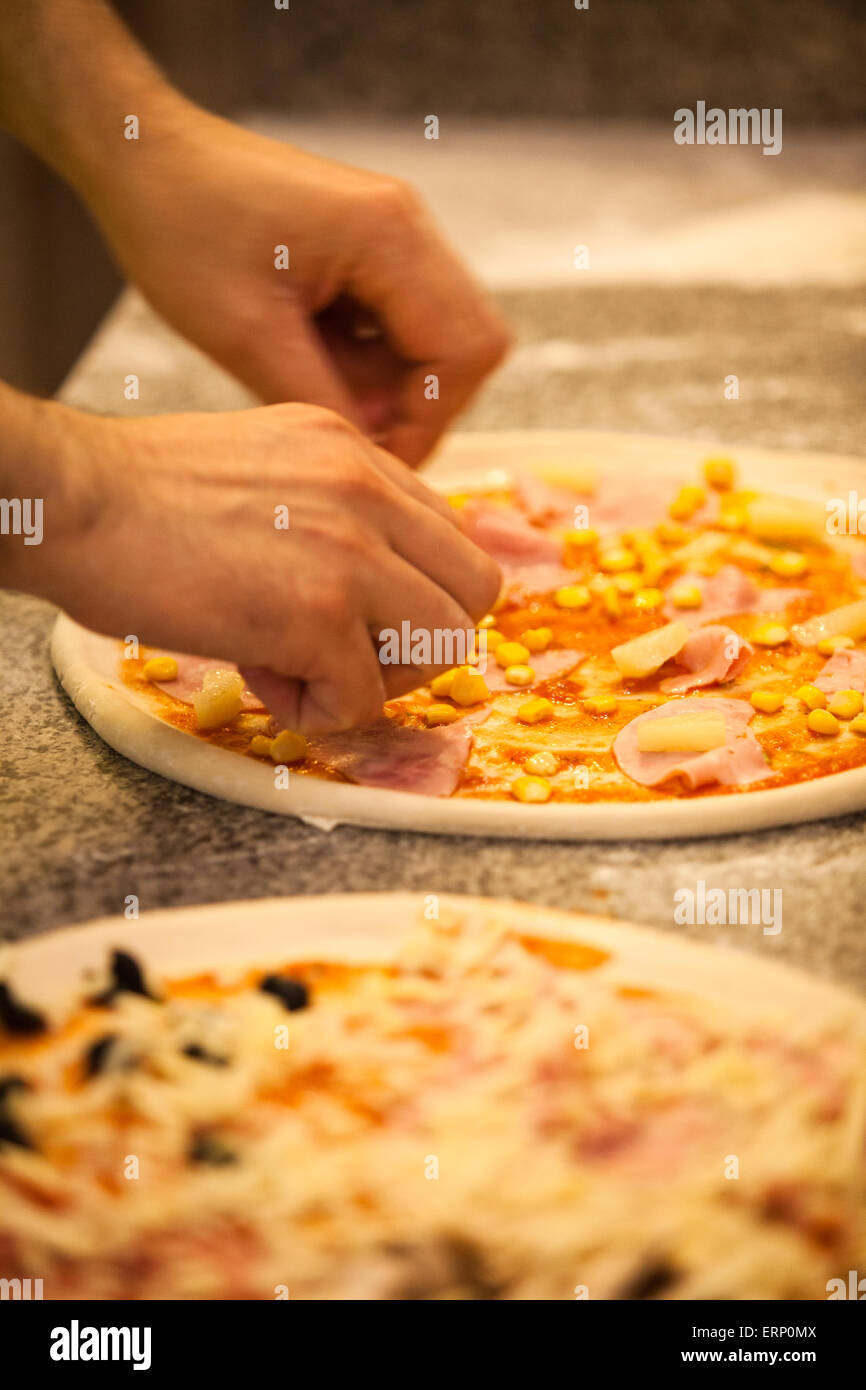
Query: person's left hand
x,y
372,306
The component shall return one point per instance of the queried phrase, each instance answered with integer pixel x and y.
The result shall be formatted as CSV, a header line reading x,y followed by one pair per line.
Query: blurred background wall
x,y
636,59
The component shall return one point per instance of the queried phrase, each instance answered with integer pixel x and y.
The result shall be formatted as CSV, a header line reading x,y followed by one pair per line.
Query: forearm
x,y
71,75
43,488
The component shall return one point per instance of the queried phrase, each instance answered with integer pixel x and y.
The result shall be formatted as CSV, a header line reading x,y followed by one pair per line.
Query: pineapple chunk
x,y
682,733
645,654
289,747
786,519
219,700
849,620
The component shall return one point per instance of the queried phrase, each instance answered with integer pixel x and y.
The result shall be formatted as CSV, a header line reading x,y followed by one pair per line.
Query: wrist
x,y
48,473
110,171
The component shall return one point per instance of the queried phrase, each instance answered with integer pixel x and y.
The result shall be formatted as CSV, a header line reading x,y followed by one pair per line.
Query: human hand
x,y
373,303
170,534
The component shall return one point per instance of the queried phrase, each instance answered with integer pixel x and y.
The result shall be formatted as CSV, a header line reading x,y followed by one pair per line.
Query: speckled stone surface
x,y
82,828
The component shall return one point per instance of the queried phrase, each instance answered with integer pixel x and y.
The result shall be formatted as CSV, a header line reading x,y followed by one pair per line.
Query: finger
x,y
343,680
340,679
445,555
441,322
366,362
410,483
418,627
280,695
414,428
283,696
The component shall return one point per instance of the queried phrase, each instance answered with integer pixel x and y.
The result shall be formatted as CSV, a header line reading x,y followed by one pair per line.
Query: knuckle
x,y
488,347
499,340
320,419
241,332
282,416
350,543
396,200
325,604
358,482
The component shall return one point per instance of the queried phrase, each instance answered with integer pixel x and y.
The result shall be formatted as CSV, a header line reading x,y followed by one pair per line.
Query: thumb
x,y
292,364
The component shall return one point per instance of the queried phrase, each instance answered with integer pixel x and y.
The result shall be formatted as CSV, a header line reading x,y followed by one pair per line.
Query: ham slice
x,y
728,592
525,580
398,758
546,665
546,504
845,670
618,503
506,535
191,672
739,761
711,655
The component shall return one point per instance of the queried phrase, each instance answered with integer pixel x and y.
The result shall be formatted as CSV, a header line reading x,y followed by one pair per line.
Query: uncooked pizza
x,y
398,1098
663,639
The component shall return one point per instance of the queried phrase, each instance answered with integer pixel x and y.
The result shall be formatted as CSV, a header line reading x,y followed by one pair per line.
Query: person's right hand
x,y
171,536
195,215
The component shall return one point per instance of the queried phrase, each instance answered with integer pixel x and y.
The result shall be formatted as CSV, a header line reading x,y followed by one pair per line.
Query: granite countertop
x,y
83,828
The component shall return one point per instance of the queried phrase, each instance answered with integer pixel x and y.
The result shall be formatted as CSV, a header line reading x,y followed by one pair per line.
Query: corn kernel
x,y
858,724
531,789
573,596
671,533
601,704
845,704
160,668
767,701
288,747
260,746
812,697
770,635
542,764
441,685
686,503
652,558
821,721
686,596
468,687
512,654
536,639
627,583
653,569
489,620
581,540
533,711
719,473
789,564
441,714
708,567
615,559
828,645
648,599
493,638
732,516
611,601
519,675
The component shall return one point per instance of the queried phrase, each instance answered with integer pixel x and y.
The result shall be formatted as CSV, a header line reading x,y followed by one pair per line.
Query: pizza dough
x,y
87,666
476,1099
